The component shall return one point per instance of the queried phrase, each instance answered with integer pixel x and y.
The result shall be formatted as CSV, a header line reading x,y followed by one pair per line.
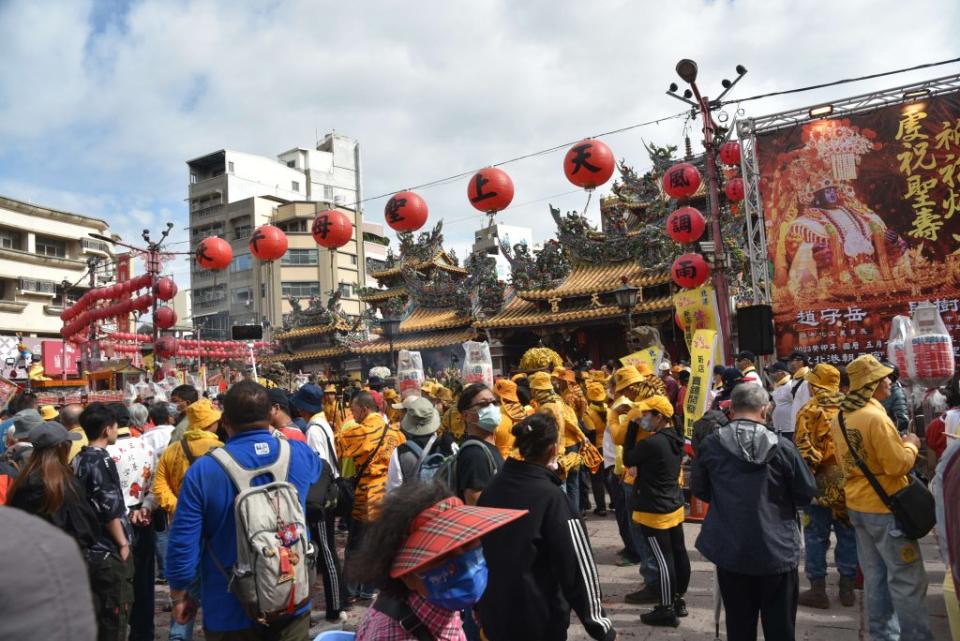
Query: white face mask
x,y
488,418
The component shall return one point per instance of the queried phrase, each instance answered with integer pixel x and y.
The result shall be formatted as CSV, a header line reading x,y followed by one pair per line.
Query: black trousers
x,y
772,598
328,563
670,552
584,488
143,552
111,582
619,504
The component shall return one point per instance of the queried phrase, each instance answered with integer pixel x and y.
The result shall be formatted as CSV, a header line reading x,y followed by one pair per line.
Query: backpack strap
x,y
486,453
874,483
242,477
186,451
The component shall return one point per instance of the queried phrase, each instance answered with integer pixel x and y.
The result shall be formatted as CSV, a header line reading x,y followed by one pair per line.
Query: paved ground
x,y
836,624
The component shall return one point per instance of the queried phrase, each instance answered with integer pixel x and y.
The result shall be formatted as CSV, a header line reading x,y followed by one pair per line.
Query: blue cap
x,y
308,398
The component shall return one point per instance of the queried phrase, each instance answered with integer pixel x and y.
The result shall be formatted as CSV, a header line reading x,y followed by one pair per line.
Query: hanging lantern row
x,y
111,292
686,225
168,346
730,153
220,345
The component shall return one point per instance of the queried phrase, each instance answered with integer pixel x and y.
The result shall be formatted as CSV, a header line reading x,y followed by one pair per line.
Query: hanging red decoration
x,y
734,189
164,317
268,243
681,180
730,153
214,253
589,163
490,190
165,289
142,303
690,270
406,211
165,346
332,229
686,225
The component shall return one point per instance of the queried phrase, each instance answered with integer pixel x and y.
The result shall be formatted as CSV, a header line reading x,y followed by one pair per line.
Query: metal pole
x,y
63,339
253,361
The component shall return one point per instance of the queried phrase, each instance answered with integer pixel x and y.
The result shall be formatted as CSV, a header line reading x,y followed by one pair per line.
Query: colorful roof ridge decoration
x,y
441,260
424,319
371,295
522,313
434,340
587,279
325,352
315,330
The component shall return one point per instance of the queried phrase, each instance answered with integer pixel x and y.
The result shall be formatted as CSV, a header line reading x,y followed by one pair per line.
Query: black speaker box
x,y
755,329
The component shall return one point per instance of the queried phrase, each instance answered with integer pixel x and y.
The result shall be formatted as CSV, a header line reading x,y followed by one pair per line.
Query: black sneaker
x,y
680,606
600,511
648,594
662,615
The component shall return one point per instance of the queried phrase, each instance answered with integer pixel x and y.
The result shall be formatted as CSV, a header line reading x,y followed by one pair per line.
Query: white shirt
x,y
752,377
799,400
320,439
783,407
134,461
157,438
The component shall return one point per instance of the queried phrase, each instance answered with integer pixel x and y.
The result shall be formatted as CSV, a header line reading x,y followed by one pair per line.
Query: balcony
x,y
89,245
12,306
36,286
206,211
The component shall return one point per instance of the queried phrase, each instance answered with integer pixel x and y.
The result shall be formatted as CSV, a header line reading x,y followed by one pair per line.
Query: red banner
x,y
52,354
123,275
861,225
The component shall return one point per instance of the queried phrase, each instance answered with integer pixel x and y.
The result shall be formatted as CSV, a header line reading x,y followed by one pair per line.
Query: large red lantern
x,y
730,153
734,190
214,253
490,190
686,225
268,243
589,163
165,289
165,346
332,229
406,211
164,317
690,270
681,180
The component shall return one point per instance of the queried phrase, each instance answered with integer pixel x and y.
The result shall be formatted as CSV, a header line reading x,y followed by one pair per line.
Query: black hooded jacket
x,y
657,460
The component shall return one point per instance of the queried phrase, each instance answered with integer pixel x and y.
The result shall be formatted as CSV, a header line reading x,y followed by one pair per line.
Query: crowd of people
x,y
460,505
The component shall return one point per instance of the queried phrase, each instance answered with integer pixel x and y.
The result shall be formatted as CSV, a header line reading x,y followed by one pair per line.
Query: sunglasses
x,y
483,404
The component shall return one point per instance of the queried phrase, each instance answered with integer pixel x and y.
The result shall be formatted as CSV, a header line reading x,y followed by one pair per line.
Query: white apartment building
x,y
486,240
40,248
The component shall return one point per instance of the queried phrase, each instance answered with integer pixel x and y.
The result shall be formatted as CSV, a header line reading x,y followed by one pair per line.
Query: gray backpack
x,y
274,568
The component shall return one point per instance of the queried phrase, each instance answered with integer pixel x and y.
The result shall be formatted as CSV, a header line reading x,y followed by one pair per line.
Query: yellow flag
x,y
650,356
697,309
702,349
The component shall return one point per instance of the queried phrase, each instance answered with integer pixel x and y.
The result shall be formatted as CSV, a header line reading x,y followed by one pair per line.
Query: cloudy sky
x,y
102,102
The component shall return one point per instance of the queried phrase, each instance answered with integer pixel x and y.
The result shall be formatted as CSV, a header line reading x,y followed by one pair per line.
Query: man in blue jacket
x,y
205,523
755,481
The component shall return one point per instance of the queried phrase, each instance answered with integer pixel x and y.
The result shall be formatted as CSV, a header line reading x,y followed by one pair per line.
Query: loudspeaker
x,y
247,332
755,329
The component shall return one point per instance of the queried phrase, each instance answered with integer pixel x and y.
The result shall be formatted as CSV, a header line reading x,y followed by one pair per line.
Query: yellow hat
x,y
598,376
518,377
429,387
330,389
445,394
390,394
644,370
48,412
596,392
657,403
824,376
541,381
506,390
564,374
865,370
627,376
202,414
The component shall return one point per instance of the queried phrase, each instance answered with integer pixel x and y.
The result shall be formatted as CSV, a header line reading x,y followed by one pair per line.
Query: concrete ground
x,y
836,624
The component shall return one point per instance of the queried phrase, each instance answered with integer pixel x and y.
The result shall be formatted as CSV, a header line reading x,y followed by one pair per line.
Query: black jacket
x,y
755,482
657,460
539,565
75,516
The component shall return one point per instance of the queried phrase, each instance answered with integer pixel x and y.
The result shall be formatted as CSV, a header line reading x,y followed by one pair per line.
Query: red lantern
x,y
214,253
142,281
730,153
690,270
589,163
164,317
165,289
490,190
332,229
165,346
268,243
734,190
406,211
686,225
681,180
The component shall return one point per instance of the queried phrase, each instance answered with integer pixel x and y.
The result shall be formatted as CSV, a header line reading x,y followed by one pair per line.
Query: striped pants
x,y
670,552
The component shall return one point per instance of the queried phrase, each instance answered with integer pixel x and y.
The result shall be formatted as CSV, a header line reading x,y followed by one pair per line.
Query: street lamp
x,y
391,328
627,296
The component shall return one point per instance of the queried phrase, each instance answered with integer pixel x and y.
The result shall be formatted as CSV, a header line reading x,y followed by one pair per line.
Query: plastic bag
x,y
478,364
410,375
930,360
901,331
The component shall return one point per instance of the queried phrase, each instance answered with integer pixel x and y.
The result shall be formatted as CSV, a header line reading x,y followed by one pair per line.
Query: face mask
x,y
488,418
458,584
646,424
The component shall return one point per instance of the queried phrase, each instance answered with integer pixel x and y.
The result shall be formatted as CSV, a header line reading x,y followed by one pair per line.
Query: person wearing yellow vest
x,y
622,390
333,409
394,407
595,422
658,505
511,413
571,438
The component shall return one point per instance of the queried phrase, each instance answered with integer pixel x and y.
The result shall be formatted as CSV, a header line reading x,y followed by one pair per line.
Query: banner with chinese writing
x,y
123,275
702,348
52,355
859,214
697,309
650,356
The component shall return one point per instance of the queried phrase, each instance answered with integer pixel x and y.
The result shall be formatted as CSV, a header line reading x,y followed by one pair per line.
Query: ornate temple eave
x,y
425,320
520,313
440,260
313,354
314,330
433,340
384,294
585,280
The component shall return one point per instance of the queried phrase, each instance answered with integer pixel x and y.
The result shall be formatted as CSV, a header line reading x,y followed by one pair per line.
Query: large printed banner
x,y
702,348
697,309
861,225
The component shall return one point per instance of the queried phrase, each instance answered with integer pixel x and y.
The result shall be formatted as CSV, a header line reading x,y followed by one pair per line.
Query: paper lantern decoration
x,y
214,253
690,270
734,189
165,289
164,317
142,303
686,225
730,153
681,180
589,163
490,190
406,211
165,346
332,229
268,243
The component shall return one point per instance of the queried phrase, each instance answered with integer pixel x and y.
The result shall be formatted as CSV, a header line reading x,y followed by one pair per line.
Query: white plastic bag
x,y
901,331
930,357
478,364
410,375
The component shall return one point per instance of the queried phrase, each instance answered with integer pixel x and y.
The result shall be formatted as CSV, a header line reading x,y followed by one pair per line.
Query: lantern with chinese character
x,y
734,190
730,153
490,190
165,289
690,270
332,229
681,180
589,163
406,211
165,346
164,317
214,253
686,225
268,243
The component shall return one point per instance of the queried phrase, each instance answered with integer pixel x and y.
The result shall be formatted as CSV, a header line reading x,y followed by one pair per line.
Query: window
x,y
345,290
300,288
193,178
300,257
327,192
37,286
241,262
291,163
242,295
10,239
294,226
230,166
242,231
294,185
47,246
209,295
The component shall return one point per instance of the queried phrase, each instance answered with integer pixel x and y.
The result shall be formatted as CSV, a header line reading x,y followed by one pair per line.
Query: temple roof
x,y
433,340
522,313
588,279
314,330
380,295
440,260
424,319
325,352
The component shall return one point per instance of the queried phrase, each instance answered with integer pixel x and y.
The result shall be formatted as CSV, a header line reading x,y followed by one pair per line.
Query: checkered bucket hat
x,y
445,526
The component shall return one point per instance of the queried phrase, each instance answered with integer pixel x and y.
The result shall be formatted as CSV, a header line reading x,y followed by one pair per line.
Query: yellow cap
x,y
824,376
202,414
330,389
865,370
627,376
48,412
541,381
596,392
565,374
657,403
506,390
